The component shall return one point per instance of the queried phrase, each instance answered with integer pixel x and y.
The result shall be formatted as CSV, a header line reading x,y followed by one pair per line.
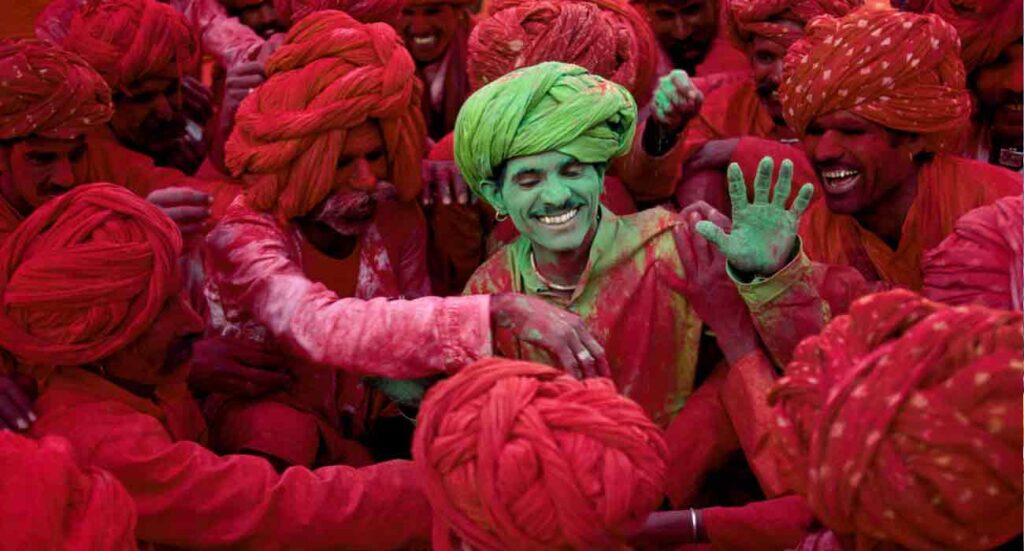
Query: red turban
x,y
608,38
364,11
516,455
332,73
902,422
129,41
85,275
986,27
48,92
749,18
900,70
981,261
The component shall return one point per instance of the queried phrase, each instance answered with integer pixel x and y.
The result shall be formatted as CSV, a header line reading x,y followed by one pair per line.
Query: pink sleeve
x,y
225,37
187,496
398,339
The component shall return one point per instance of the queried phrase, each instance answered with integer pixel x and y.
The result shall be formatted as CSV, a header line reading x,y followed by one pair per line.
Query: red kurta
x,y
630,296
187,496
48,502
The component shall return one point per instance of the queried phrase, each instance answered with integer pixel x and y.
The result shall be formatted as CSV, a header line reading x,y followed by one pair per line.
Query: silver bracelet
x,y
693,523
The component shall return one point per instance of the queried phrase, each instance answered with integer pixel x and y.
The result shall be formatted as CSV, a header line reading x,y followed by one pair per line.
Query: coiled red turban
x,y
332,73
130,41
85,275
749,18
897,69
609,38
48,92
986,27
902,422
517,455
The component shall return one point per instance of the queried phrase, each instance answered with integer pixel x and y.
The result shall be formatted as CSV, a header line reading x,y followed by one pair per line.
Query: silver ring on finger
x,y
584,355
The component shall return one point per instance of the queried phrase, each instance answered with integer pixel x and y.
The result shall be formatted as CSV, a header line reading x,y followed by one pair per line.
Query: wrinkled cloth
x,y
902,422
536,110
609,38
779,523
364,11
749,18
258,276
131,41
985,27
106,159
48,92
947,188
631,298
897,69
320,403
85,275
48,502
187,496
981,261
520,455
332,73
220,35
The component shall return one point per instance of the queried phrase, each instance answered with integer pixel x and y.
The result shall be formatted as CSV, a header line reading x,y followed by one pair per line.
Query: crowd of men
x,y
770,252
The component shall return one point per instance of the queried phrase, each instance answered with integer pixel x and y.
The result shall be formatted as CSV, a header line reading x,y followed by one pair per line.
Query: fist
x,y
676,101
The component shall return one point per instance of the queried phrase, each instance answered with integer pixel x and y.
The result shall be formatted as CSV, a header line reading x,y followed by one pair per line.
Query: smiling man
x,y
876,126
436,32
535,145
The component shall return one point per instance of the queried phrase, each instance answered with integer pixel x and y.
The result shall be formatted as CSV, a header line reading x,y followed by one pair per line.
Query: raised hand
x,y
676,101
558,331
763,231
189,208
443,184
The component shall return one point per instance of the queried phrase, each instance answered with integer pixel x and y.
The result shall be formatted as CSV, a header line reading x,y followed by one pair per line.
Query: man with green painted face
x,y
535,144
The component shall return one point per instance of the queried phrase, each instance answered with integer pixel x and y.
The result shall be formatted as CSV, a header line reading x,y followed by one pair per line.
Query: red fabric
x,y
947,188
48,502
130,41
364,11
85,275
749,18
107,160
331,74
441,114
186,496
771,524
609,38
521,455
896,69
985,27
981,261
902,422
48,92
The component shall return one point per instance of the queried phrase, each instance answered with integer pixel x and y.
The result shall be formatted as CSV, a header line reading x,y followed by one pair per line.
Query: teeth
x,y
837,174
423,41
560,219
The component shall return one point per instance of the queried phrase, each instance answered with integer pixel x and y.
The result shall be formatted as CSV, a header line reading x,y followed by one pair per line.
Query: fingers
x,y
427,192
444,187
782,185
462,192
179,196
595,351
584,359
11,415
712,233
763,180
737,188
803,199
245,75
567,360
187,215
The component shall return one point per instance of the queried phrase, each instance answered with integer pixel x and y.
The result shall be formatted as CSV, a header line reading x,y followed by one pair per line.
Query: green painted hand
x,y
676,100
763,232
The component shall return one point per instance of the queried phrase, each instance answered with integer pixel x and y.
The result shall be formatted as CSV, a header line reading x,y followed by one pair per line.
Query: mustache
x,y
551,210
765,88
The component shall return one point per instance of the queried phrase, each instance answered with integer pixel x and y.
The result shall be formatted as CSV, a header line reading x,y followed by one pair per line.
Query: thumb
x,y
708,230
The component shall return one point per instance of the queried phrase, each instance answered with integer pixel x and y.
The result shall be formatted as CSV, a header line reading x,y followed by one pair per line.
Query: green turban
x,y
547,107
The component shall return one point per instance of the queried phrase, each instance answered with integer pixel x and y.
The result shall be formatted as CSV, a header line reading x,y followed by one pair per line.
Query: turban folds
x,y
85,275
547,107
764,18
130,41
609,38
897,69
516,455
986,27
365,11
332,74
48,92
902,422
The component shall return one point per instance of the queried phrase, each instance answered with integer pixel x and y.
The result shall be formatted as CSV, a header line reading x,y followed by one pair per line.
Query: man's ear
x,y
491,192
